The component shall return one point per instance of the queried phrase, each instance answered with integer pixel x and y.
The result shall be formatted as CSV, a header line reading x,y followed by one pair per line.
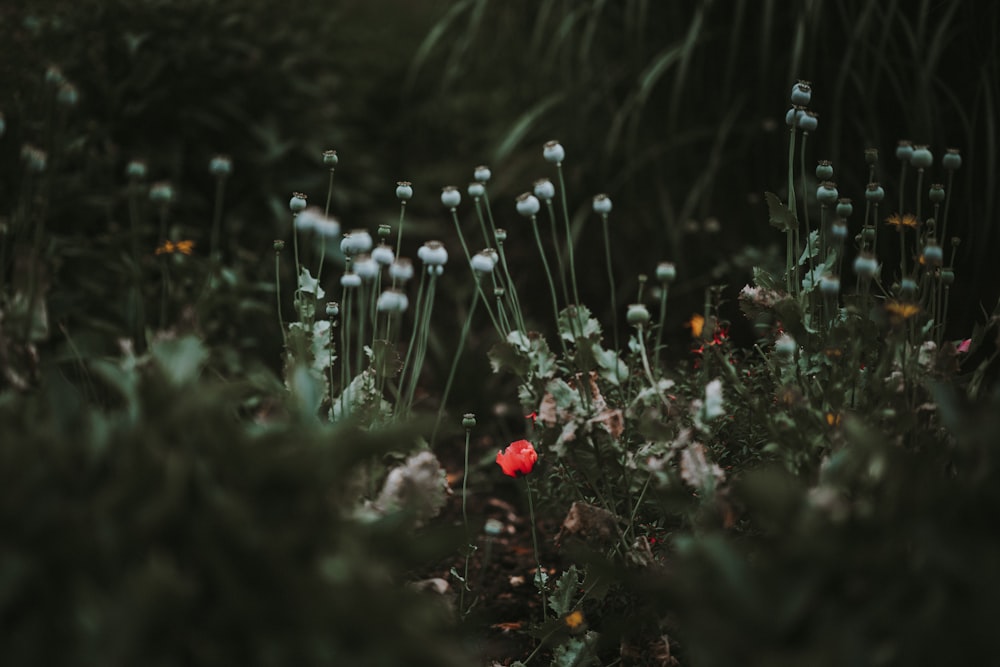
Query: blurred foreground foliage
x,y
165,530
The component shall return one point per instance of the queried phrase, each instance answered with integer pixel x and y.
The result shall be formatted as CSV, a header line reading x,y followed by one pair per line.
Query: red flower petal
x,y
518,458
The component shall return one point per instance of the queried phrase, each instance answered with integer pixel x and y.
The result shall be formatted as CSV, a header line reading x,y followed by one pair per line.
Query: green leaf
x,y
575,322
509,357
561,600
180,359
779,214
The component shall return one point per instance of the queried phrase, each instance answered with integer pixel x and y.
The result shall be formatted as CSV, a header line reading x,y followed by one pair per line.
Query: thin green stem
x,y
611,281
454,365
539,573
570,242
555,246
277,292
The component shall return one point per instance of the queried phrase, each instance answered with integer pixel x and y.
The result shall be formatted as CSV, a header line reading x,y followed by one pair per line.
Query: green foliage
x,y
169,531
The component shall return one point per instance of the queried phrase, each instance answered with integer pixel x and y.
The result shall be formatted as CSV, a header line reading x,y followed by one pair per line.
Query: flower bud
x,y
482,173
527,205
602,205
554,152
404,190
451,197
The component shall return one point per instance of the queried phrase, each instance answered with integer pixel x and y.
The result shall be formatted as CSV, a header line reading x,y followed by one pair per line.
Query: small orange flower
x,y
518,458
900,310
696,324
833,418
574,619
169,248
900,221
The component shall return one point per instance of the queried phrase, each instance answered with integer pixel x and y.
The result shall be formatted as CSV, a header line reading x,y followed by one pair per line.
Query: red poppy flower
x,y
518,458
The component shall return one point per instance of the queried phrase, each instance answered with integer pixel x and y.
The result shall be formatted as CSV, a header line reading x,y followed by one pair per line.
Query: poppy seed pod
x,y
476,190
865,265
366,267
827,193
952,159
350,280
162,192
871,156
220,165
824,170
330,158
450,196
554,152
637,315
801,93
392,301
383,255
666,272
433,253
844,207
936,193
528,205
904,150
482,263
297,202
544,189
921,157
482,173
874,192
401,270
404,190
808,121
602,204
829,285
136,170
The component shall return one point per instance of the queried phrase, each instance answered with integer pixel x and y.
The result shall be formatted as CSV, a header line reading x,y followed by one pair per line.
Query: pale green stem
x,y
569,234
454,365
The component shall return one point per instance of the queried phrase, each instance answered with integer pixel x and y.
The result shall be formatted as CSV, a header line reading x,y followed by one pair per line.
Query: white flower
x,y
697,471
713,406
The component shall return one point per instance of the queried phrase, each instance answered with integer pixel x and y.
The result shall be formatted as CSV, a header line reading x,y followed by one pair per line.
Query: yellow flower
x,y
169,248
899,221
574,619
833,418
900,310
696,323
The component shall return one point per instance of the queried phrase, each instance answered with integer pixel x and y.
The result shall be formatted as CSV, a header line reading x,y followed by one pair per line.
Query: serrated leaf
x,y
575,652
506,356
180,359
561,599
778,214
576,322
